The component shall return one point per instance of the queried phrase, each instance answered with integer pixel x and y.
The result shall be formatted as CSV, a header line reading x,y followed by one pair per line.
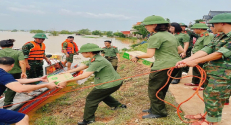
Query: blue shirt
x,y
5,78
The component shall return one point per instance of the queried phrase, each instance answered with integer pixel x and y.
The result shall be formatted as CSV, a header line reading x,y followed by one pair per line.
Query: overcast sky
x,y
105,15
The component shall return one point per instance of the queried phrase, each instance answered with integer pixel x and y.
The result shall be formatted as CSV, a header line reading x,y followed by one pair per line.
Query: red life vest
x,y
37,52
70,47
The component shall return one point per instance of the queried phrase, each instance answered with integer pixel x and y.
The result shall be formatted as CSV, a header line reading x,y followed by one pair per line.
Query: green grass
x,y
68,109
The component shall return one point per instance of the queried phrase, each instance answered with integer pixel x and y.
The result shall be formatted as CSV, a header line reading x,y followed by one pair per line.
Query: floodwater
x,y
53,43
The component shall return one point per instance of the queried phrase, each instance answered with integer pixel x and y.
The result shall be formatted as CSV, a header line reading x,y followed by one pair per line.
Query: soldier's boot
x,y
175,81
84,122
147,110
153,116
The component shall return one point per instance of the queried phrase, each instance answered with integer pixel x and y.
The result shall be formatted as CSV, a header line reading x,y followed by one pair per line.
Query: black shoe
x,y
84,122
120,106
175,81
10,105
147,110
153,116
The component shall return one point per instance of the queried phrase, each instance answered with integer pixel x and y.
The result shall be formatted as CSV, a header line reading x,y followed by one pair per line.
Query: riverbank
x,y
69,108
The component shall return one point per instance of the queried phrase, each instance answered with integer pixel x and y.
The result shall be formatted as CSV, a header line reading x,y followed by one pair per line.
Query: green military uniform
x,y
104,72
71,55
218,72
191,35
166,56
110,55
17,55
36,66
182,38
201,42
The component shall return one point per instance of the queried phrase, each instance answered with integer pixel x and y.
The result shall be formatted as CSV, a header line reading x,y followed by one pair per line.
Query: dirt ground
x,y
195,105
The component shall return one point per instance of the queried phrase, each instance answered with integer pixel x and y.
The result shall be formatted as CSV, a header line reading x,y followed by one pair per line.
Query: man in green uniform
x,y
19,69
34,53
191,34
204,39
104,72
111,53
69,48
217,53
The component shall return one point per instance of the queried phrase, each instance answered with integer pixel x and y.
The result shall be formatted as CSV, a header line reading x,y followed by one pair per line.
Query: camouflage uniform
x,y
201,42
219,77
110,55
36,66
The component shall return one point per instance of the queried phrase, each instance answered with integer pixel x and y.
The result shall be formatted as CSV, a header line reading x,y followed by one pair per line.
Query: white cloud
x,y
94,15
30,9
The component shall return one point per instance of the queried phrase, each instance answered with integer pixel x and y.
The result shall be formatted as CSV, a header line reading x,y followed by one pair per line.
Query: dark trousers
x,y
156,81
10,94
95,97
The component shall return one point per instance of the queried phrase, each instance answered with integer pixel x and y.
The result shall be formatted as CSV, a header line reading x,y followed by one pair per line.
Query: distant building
x,y
211,14
127,33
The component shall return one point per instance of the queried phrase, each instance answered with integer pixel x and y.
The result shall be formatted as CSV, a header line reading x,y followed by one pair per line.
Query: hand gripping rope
x,y
203,79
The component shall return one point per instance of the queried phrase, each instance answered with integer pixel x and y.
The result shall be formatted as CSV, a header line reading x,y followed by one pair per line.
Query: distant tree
x,y
141,30
84,32
199,20
119,34
37,31
97,32
54,33
14,30
65,32
109,34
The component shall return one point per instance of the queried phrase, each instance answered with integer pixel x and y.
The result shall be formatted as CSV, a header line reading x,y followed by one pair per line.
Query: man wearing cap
x,y
69,48
34,53
192,35
19,69
204,39
111,53
218,55
104,73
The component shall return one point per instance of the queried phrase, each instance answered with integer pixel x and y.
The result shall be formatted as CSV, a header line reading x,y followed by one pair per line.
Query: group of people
x,y
169,44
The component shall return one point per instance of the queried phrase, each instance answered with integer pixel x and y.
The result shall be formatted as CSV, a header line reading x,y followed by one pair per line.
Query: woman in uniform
x,y
183,40
103,72
165,48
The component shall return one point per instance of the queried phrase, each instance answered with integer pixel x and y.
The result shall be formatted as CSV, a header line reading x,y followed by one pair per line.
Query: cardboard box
x,y
147,62
60,77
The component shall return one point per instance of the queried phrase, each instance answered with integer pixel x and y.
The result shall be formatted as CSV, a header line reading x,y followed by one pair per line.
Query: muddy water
x,y
53,43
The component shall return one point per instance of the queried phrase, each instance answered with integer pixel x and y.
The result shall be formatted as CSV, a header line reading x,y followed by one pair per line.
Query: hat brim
x,y
90,50
211,22
41,37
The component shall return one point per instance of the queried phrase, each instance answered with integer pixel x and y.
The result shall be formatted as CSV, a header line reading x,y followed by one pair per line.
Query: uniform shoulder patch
x,y
93,59
206,34
114,47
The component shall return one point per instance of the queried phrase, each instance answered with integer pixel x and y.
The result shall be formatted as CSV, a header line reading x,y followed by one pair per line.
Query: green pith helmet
x,y
221,18
40,35
182,24
89,47
154,20
199,26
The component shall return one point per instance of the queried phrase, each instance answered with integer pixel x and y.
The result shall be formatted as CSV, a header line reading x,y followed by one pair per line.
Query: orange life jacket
x,y
70,47
37,52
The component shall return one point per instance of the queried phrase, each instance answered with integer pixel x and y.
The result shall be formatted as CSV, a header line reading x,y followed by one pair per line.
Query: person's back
x,y
167,54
